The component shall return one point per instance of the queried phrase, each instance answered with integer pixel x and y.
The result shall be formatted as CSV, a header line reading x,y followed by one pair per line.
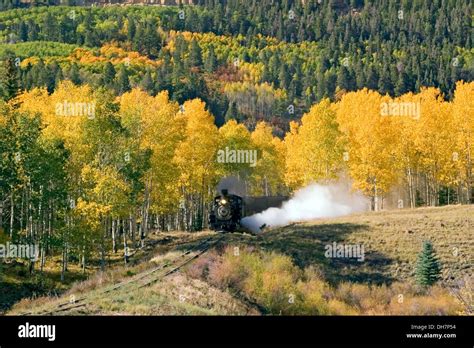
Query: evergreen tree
x,y
74,75
232,113
195,54
123,82
428,269
284,77
23,31
147,83
50,29
372,79
211,60
109,74
344,80
402,85
385,83
150,41
10,78
131,29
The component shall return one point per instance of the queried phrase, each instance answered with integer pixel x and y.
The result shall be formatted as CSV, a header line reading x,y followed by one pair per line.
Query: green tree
x,y
74,75
232,112
428,268
344,79
109,74
10,78
211,60
123,82
131,29
195,54
284,77
147,83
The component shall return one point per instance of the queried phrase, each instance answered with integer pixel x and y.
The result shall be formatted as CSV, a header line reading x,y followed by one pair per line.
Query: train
x,y
227,210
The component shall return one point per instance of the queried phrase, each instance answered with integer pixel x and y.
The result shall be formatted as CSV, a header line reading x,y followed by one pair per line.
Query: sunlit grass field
x,y
391,239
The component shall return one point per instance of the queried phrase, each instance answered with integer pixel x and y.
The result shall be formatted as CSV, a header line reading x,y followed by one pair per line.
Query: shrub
x,y
232,270
353,294
437,302
314,301
273,281
337,307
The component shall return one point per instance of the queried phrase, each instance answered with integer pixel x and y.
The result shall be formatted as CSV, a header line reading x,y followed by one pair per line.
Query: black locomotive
x,y
226,212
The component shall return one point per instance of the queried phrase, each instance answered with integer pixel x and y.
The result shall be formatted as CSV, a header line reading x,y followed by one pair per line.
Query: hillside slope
x,y
151,287
391,240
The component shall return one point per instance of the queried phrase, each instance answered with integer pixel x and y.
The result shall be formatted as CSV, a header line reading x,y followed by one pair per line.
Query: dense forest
x,y
297,52
112,116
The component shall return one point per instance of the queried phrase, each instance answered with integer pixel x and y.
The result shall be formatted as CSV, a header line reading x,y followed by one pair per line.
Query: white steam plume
x,y
309,203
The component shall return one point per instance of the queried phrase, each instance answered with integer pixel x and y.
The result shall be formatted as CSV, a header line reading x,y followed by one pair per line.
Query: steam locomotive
x,y
226,212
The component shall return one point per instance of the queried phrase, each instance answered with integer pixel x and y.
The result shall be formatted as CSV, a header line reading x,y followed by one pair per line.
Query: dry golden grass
x,y
176,295
285,270
391,239
274,282
149,258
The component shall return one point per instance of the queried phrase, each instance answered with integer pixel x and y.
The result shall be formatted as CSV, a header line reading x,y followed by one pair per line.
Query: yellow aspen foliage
x,y
195,156
153,120
369,136
267,176
234,137
63,115
294,173
106,188
463,118
313,150
89,216
407,155
434,140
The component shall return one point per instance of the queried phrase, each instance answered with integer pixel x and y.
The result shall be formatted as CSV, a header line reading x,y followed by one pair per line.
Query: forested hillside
x,y
297,52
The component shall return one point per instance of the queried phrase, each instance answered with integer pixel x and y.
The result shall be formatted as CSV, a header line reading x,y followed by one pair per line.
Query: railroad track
x,y
142,280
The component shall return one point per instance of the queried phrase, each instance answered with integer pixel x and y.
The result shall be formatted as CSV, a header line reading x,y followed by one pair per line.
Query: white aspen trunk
x,y
114,243
21,209
125,246
376,198
12,214
102,245
410,188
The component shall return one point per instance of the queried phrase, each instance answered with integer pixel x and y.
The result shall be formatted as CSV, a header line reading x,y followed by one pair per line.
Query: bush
x,y
273,281
232,270
337,307
313,298
436,302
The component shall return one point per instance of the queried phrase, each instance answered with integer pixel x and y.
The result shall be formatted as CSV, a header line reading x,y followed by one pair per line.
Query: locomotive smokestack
x,y
225,192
